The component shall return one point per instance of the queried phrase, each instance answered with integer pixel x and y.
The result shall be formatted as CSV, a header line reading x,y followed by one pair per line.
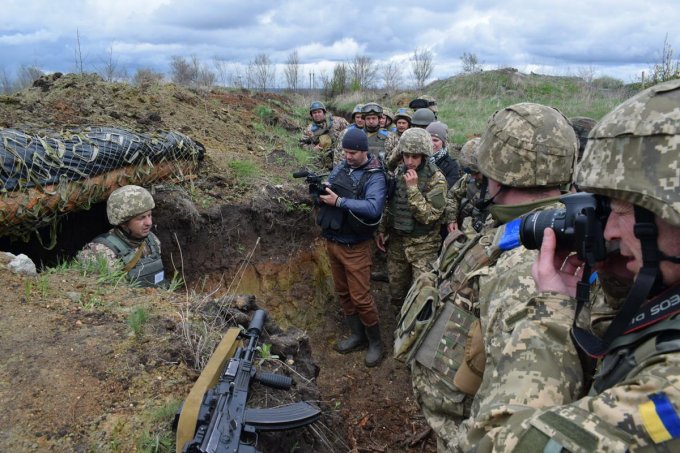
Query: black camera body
x,y
579,226
316,187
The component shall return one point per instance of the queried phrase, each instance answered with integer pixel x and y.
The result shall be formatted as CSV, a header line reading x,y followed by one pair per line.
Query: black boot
x,y
357,341
375,347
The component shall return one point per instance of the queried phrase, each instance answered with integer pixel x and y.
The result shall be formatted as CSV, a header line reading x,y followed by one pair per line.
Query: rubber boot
x,y
375,347
357,340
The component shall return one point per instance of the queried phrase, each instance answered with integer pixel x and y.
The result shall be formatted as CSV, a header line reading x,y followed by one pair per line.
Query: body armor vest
x,y
376,143
148,271
404,221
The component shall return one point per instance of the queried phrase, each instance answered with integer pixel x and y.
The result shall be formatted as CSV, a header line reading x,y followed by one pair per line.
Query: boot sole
x,y
354,349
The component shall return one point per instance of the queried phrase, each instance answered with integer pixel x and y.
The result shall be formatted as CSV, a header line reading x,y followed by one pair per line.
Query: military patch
x,y
510,236
660,418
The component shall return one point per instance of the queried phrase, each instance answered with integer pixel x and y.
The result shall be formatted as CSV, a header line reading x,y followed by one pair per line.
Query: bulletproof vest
x,y
404,222
450,168
376,143
148,272
342,220
318,131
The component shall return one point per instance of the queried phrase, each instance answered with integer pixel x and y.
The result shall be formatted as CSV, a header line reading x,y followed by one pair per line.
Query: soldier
x,y
349,215
130,241
465,208
387,121
632,160
380,141
448,165
357,117
425,102
582,126
323,132
413,214
357,123
402,120
526,153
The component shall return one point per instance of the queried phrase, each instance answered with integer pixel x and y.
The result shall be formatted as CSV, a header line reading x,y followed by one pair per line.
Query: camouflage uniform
x,y
141,258
324,134
338,152
493,276
632,155
414,235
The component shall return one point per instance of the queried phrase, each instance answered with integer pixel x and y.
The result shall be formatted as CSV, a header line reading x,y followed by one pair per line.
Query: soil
x,y
80,374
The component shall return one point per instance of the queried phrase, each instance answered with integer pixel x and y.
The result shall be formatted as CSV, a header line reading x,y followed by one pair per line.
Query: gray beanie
x,y
355,139
439,130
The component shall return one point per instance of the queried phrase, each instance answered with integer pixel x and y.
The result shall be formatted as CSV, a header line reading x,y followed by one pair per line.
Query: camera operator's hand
x,y
556,270
330,198
381,242
411,178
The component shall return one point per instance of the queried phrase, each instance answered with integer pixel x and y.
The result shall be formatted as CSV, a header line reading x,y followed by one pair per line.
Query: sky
x,y
617,38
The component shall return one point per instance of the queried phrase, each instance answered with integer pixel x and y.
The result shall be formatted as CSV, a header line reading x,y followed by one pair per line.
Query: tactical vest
x,y
376,143
404,221
148,271
343,221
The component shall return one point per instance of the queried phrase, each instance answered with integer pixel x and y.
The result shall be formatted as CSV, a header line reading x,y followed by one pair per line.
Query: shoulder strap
x,y
135,259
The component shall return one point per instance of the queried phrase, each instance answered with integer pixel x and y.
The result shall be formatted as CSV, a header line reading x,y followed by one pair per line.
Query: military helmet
x,y
388,113
468,155
403,113
372,108
423,117
415,141
316,105
632,153
424,102
357,109
127,202
528,145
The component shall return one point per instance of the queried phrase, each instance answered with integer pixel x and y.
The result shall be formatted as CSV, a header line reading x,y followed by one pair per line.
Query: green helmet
x,y
423,117
126,202
415,141
388,113
528,145
316,105
357,109
632,153
403,113
372,108
468,155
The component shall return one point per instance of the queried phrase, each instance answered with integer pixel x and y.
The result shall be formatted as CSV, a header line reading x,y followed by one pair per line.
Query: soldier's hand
x,y
381,242
411,178
329,198
556,270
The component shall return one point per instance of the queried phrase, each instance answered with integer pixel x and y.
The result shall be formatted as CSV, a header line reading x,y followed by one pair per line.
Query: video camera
x,y
316,187
578,227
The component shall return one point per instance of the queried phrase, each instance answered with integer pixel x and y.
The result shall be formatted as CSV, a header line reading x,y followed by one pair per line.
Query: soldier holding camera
x,y
526,153
350,212
631,161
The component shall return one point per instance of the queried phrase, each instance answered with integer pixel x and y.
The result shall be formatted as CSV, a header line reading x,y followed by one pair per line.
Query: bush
x,y
607,83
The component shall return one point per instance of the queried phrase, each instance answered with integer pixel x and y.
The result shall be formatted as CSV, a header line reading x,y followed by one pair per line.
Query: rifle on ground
x,y
224,422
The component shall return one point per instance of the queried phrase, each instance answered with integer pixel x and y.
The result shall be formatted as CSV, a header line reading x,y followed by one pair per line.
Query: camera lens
x,y
533,224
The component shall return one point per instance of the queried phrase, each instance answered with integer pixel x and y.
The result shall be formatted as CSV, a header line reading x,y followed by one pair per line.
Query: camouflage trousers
x,y
444,407
408,257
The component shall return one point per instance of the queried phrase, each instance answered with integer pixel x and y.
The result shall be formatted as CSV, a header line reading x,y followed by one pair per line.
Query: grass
x,y
136,320
157,435
244,171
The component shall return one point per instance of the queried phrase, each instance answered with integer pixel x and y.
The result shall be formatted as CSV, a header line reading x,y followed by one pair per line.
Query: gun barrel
x,y
301,174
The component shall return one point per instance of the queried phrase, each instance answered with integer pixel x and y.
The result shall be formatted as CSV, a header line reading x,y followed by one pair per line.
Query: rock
x,y
21,264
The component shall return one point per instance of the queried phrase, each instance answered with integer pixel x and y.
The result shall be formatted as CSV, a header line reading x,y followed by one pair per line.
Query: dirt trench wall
x,y
218,250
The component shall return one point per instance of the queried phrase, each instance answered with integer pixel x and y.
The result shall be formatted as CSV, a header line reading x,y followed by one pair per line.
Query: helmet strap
x,y
647,283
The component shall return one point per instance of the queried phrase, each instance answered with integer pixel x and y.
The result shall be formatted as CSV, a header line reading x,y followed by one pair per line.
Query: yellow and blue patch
x,y
660,418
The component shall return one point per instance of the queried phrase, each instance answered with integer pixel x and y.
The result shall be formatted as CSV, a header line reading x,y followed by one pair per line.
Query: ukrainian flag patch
x,y
660,418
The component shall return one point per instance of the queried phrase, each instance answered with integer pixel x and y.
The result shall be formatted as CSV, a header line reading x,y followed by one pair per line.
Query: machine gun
x,y
316,188
221,421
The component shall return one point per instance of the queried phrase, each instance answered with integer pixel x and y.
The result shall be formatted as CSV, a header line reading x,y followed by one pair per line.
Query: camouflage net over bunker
x,y
46,176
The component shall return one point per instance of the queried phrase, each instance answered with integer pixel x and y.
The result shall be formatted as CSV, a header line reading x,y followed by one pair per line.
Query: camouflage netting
x,y
45,176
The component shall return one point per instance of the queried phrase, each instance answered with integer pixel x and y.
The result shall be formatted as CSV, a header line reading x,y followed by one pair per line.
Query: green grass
x,y
136,320
244,171
157,435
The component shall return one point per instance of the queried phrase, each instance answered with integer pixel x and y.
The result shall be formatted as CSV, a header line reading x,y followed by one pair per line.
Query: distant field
x,y
466,101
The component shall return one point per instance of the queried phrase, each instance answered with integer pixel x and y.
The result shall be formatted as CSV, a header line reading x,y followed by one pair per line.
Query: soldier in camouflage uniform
x,y
526,153
357,123
380,142
402,120
387,121
413,214
464,207
323,132
131,241
634,402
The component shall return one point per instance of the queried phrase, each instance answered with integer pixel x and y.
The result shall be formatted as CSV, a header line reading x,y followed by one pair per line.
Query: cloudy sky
x,y
619,38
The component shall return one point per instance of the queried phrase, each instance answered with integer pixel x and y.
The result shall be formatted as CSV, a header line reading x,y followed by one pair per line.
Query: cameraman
x,y
351,209
632,159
